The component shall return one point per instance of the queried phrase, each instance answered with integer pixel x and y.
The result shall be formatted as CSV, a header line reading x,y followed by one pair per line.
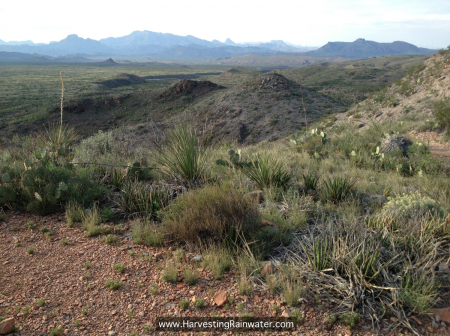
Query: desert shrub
x,y
91,223
138,197
291,287
267,172
184,304
170,273
218,260
210,213
113,284
183,154
336,189
74,213
350,319
48,179
412,205
112,240
418,293
146,233
442,109
190,276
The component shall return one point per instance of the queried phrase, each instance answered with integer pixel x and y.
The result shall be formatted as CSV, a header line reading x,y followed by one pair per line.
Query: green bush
x,y
351,320
183,154
210,213
48,179
418,293
113,284
146,233
91,223
412,205
218,260
442,109
170,273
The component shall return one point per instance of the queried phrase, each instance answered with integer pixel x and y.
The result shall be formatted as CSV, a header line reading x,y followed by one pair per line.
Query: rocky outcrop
x,y
395,142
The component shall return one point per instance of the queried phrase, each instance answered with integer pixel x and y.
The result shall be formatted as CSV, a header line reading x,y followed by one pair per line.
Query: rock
x,y
434,325
442,314
444,267
197,258
111,333
419,322
395,142
7,326
256,196
268,269
286,313
267,224
220,298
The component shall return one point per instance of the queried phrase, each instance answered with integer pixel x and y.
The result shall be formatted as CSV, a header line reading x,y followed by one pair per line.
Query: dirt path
x,y
438,147
77,301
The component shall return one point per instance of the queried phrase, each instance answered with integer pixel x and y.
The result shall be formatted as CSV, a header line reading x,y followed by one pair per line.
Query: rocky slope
x,y
412,97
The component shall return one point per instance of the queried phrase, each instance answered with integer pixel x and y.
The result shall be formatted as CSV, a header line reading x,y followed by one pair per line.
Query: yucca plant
x,y
320,259
310,180
57,135
183,155
337,189
268,172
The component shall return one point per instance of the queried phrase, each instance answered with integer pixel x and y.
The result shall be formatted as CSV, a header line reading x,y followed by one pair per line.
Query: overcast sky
x,y
425,23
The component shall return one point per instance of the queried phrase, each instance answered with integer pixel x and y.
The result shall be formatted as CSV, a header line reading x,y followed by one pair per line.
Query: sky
x,y
425,23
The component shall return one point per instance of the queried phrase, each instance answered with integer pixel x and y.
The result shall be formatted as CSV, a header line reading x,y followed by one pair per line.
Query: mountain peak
x,y
229,42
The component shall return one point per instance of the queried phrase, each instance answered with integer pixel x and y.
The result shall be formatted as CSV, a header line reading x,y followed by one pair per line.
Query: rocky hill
x,y
413,97
266,107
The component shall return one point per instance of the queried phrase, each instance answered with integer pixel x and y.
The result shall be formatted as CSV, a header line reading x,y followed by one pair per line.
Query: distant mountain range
x,y
170,46
362,48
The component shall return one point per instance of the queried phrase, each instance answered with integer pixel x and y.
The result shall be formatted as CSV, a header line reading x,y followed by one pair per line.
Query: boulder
x,y
395,142
220,298
442,314
7,326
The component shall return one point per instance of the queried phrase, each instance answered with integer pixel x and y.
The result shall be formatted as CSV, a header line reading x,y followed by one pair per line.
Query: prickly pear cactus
x,y
236,160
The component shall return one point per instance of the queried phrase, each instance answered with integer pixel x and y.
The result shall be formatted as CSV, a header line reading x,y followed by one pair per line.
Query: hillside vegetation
x,y
343,219
106,97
